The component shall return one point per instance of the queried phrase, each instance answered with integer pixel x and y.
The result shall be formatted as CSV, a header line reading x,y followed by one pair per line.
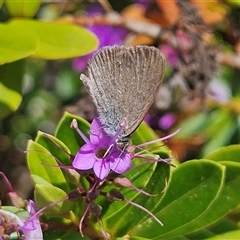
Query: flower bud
x,y
122,182
74,195
73,176
96,210
114,195
17,201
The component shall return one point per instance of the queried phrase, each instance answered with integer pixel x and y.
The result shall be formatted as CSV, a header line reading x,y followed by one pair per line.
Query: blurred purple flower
x,y
184,41
79,64
170,54
101,153
166,121
107,35
30,227
219,91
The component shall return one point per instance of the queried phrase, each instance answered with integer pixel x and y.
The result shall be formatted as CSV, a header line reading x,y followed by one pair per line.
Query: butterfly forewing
x,y
123,82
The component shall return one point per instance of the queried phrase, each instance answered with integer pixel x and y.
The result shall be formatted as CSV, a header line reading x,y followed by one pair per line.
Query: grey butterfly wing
x,y
123,82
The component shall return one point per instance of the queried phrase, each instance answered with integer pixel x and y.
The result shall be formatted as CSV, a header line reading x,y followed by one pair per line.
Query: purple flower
x,y
171,55
79,64
107,35
219,91
30,227
166,121
101,153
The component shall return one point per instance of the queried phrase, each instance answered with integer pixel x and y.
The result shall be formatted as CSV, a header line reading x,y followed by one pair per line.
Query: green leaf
x,y
63,235
37,156
192,125
234,3
39,180
60,152
11,86
58,40
19,212
57,148
48,194
10,99
227,236
193,187
216,121
229,153
228,199
68,135
119,217
222,132
222,226
23,8
16,43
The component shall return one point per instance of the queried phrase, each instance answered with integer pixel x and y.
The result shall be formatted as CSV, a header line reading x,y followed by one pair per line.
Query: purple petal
x,y
171,55
219,91
97,135
85,157
109,35
101,168
32,230
79,64
121,163
31,208
166,121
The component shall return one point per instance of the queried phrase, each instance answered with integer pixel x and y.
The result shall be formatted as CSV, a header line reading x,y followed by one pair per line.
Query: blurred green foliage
x,y
37,81
33,89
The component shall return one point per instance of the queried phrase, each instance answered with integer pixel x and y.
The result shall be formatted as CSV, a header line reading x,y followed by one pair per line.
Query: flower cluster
x,y
14,227
102,160
101,153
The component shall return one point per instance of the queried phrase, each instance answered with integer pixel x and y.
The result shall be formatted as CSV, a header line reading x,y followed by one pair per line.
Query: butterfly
x,y
123,82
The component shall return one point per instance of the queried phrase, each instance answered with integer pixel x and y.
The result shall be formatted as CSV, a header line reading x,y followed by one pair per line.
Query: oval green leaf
x,y
227,236
11,86
229,153
47,194
23,8
222,133
70,136
227,200
10,99
63,235
16,43
193,187
118,217
42,163
56,147
58,40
